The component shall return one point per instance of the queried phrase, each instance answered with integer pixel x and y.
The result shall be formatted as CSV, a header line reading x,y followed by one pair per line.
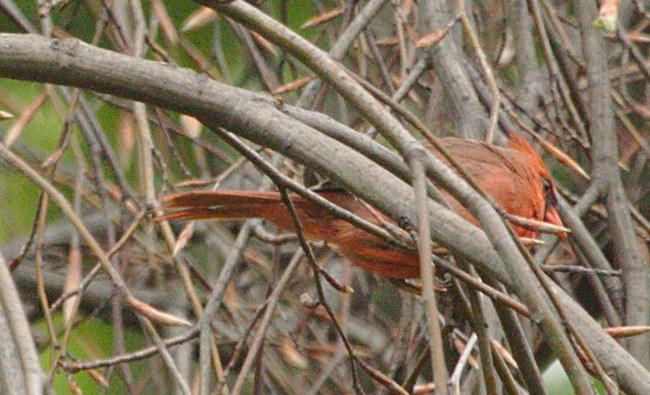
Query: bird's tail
x,y
233,205
221,205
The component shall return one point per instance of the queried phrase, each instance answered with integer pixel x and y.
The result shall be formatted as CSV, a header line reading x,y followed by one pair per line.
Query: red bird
x,y
515,177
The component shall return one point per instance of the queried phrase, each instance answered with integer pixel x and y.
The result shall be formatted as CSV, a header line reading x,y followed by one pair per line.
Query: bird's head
x,y
546,186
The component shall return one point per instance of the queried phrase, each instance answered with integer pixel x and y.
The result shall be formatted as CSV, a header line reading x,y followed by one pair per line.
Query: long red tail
x,y
318,223
221,205
360,248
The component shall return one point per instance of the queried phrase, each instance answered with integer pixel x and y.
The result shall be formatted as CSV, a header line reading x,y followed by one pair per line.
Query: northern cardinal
x,y
515,177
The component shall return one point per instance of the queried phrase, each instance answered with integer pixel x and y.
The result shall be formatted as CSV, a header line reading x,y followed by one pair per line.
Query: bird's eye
x,y
549,194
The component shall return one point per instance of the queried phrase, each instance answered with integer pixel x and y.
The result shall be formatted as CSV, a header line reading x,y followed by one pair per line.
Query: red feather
x,y
515,177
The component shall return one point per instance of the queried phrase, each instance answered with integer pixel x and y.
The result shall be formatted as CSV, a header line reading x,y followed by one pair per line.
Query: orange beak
x,y
552,217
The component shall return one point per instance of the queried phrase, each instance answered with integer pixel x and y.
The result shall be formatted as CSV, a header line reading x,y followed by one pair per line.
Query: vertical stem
x,y
427,273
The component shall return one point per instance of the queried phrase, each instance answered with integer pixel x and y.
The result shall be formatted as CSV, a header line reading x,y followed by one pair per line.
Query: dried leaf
x,y
505,354
17,129
434,38
422,389
292,356
407,8
322,18
292,86
385,380
155,315
527,241
328,349
72,282
198,19
74,387
196,183
538,226
561,156
411,33
266,44
165,21
98,377
627,331
460,347
191,126
389,41
54,157
624,166
430,39
183,238
127,138
231,298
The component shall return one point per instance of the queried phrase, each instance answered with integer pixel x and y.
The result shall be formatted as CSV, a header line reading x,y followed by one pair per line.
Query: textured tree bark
x,y
448,65
602,128
20,368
